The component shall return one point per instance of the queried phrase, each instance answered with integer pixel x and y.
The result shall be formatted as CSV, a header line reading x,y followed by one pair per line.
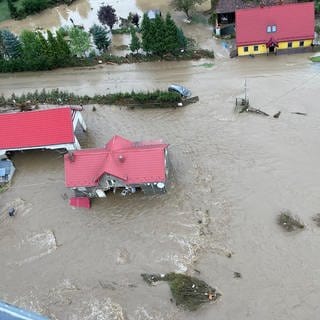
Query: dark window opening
x,y
256,48
289,44
301,43
245,49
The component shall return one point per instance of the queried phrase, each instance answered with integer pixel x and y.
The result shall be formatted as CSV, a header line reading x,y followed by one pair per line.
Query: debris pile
x,y
288,222
188,292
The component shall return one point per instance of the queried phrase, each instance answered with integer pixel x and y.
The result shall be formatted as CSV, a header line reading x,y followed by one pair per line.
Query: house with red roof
x,y
281,28
40,129
121,164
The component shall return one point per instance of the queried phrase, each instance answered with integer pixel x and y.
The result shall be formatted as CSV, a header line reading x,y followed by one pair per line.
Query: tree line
x,y
35,50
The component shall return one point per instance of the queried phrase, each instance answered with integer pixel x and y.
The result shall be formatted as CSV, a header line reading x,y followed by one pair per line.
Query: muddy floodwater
x,y
231,175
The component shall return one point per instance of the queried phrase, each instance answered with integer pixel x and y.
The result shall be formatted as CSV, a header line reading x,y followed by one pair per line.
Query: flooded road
x,y
232,175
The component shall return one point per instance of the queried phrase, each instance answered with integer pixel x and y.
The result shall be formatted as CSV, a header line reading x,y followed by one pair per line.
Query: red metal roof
x,y
36,128
292,21
80,202
131,162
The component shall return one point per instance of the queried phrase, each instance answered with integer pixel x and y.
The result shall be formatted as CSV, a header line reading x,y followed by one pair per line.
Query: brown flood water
x,y
233,172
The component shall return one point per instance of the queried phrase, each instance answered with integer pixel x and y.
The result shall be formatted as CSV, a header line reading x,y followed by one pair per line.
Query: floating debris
x,y
237,275
316,219
288,222
299,113
188,292
277,115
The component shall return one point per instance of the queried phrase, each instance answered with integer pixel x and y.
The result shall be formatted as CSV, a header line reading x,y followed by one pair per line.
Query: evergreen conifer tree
x,y
11,45
100,37
135,44
146,32
171,35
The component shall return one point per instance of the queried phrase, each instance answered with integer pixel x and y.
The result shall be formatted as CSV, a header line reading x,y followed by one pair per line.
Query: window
x,y
245,49
271,28
301,43
256,48
289,44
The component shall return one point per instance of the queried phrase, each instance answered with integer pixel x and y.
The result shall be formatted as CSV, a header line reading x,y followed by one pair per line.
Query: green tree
x,y
159,44
34,6
171,35
100,37
79,42
146,32
135,44
12,9
62,49
317,6
185,5
182,40
33,51
10,45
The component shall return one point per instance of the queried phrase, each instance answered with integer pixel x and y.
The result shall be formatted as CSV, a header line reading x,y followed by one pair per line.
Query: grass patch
x,y
207,65
4,11
188,292
290,223
315,59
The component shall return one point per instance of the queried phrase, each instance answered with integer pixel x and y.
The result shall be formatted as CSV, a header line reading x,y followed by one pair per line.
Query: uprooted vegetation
x,y
188,292
290,223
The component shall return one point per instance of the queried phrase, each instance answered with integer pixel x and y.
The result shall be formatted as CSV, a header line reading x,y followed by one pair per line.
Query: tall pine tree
x,y
135,44
100,37
11,45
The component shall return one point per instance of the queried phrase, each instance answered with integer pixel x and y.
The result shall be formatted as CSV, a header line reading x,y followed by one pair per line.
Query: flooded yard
x,y
232,174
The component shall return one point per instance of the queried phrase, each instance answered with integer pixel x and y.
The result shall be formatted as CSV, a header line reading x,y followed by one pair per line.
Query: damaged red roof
x,y
131,162
36,128
292,21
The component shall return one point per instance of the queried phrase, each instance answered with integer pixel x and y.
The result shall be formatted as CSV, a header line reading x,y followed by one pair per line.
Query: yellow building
x,y
271,29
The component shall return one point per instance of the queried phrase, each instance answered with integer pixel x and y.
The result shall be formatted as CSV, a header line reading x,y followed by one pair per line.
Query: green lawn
x,y
315,59
4,10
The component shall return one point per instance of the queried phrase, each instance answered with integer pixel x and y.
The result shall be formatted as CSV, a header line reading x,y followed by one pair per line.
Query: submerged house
x,y
40,129
121,164
276,29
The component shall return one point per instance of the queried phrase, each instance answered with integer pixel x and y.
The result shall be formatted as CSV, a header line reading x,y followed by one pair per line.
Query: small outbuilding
x,y
121,164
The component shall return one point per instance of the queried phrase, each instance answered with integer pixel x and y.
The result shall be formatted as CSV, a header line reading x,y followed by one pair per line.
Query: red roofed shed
x,y
274,28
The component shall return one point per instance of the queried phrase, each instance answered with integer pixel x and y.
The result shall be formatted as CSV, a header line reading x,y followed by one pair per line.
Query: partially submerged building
x,y
121,164
40,129
276,29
